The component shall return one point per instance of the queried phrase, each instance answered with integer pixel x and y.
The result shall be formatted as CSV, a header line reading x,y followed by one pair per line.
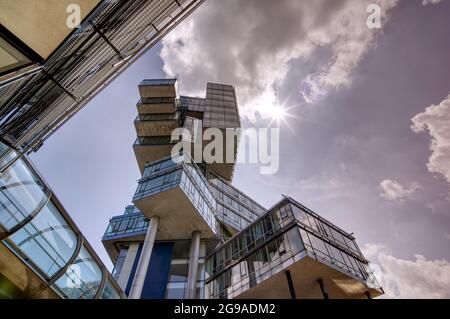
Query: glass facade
x,y
120,261
234,208
82,278
38,232
47,240
221,107
196,187
179,268
109,292
251,244
131,223
22,195
276,240
167,174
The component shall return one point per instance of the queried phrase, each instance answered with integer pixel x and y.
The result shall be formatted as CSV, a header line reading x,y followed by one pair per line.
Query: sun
x,y
277,112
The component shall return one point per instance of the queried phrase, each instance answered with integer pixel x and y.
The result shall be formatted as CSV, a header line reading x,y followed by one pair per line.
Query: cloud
x,y
251,44
427,2
436,120
394,191
406,279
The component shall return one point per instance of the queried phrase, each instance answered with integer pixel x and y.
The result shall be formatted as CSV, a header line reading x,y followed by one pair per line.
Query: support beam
x,y
144,260
193,266
290,284
323,288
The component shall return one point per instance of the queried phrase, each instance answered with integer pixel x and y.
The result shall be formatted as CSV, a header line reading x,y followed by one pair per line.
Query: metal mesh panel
x,y
92,55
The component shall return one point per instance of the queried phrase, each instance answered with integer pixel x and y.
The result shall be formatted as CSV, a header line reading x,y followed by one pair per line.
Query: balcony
x,y
128,227
156,124
151,148
156,105
156,88
180,195
252,264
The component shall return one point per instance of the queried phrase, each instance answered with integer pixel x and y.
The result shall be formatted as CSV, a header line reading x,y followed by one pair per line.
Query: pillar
x,y
144,260
193,265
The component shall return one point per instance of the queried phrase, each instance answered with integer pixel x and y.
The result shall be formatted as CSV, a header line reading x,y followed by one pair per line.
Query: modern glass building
x,y
51,65
50,69
42,252
191,234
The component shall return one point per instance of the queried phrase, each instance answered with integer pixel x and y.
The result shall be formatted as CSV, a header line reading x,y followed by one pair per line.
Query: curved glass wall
x,y
22,193
47,240
109,292
82,278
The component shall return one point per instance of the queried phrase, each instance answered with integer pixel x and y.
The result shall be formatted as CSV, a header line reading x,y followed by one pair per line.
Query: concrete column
x,y
144,260
127,266
193,265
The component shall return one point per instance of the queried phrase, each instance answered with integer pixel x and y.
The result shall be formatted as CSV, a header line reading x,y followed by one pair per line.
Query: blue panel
x,y
158,272
133,269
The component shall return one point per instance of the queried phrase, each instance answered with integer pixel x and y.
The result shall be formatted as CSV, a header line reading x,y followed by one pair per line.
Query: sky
x,y
365,144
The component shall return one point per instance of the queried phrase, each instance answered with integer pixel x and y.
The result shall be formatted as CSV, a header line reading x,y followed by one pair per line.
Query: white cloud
x,y
250,44
394,191
427,2
405,279
436,120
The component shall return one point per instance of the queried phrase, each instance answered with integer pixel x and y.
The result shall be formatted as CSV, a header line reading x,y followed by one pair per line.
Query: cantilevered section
x,y
36,101
290,252
128,227
180,195
158,117
235,209
161,110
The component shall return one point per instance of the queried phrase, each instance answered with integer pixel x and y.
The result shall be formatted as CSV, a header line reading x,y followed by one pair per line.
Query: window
x,y
119,262
336,254
21,194
179,272
14,54
283,212
272,250
319,246
175,290
300,215
48,241
295,241
181,249
109,292
82,278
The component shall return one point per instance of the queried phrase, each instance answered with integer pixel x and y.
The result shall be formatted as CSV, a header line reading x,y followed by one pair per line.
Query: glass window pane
x,y
21,193
10,57
179,272
300,215
82,278
295,241
109,291
48,241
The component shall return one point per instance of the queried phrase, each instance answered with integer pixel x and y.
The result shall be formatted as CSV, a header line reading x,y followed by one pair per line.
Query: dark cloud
x,y
251,43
